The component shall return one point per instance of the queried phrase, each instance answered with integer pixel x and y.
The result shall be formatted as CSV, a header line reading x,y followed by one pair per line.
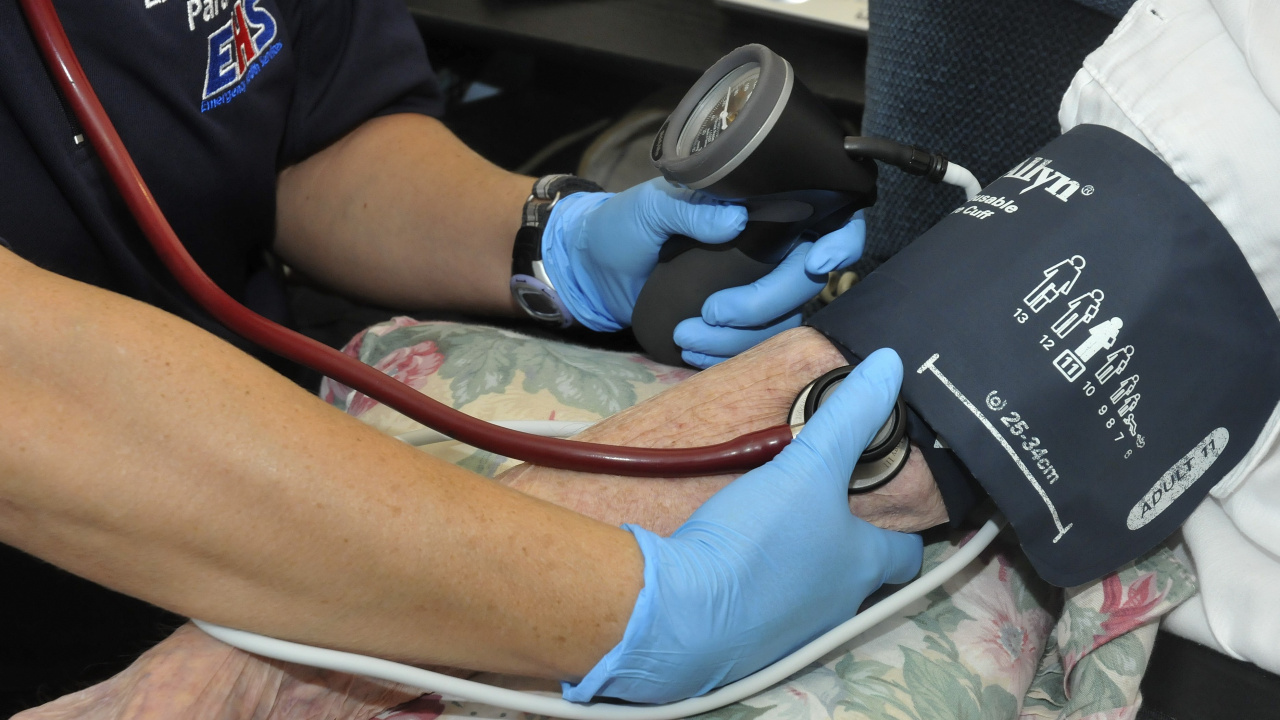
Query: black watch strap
x,y
530,285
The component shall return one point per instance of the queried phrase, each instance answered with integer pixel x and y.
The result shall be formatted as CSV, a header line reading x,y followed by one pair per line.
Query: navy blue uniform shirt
x,y
212,99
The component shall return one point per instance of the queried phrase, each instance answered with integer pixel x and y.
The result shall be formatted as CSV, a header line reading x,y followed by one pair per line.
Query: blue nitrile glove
x,y
766,565
738,318
599,250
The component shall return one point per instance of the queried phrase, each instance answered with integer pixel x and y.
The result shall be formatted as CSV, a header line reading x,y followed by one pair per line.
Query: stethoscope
x,y
774,95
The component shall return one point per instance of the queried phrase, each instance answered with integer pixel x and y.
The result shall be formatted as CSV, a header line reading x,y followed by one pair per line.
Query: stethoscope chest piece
x,y
887,452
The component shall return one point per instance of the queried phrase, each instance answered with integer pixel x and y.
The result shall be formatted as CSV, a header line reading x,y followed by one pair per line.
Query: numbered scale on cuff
x,y
887,452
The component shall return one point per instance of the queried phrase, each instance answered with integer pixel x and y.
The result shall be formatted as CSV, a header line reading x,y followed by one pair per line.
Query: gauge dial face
x,y
718,109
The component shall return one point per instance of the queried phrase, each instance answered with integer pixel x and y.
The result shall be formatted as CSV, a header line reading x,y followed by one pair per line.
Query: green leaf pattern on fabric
x,y
737,711
483,463
481,360
478,366
870,688
582,378
939,690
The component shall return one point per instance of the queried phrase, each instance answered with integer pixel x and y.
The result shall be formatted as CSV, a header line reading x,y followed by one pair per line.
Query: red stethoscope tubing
x,y
739,454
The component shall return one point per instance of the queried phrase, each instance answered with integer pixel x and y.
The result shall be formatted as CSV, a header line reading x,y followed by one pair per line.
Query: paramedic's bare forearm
x,y
151,457
401,213
749,392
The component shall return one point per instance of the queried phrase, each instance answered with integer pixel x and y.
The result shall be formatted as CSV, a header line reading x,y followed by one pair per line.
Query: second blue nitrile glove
x,y
599,249
735,319
767,564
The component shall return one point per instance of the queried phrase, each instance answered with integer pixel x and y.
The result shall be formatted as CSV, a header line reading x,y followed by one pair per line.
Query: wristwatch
x,y
530,285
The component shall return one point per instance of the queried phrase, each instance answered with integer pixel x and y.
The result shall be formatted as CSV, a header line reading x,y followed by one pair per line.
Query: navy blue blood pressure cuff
x,y
1087,339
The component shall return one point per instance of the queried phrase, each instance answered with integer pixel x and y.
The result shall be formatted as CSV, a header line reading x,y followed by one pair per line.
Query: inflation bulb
x,y
748,132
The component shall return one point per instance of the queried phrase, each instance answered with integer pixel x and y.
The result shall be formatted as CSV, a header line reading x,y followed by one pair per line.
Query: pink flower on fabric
x,y
331,390
426,707
411,366
1001,640
394,323
1127,608
352,348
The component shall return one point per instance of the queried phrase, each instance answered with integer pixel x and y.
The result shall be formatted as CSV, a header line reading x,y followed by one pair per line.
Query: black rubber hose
x,y
908,158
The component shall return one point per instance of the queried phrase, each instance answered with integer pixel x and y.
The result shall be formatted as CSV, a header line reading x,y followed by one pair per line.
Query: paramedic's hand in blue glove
x,y
737,318
600,248
766,565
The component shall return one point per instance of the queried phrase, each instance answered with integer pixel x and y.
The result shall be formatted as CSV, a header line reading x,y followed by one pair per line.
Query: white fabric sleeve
x,y
1198,83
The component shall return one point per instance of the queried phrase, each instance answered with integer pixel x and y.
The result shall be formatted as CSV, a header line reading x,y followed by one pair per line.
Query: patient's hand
x,y
194,677
750,392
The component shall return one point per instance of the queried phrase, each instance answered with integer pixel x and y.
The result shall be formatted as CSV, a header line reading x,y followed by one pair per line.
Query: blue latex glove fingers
x,y
767,564
785,288
822,457
706,345
667,210
800,276
599,249
750,312
835,437
839,249
846,421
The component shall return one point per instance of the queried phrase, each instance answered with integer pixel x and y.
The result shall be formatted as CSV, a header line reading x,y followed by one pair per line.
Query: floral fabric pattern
x,y
994,642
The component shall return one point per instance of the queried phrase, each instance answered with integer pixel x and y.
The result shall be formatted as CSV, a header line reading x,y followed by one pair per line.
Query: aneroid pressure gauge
x,y
886,454
747,132
719,109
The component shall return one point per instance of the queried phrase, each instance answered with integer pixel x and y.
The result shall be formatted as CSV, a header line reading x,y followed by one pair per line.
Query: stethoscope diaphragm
x,y
888,451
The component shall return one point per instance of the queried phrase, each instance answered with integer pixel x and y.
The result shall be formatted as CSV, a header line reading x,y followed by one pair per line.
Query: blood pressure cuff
x,y
1088,340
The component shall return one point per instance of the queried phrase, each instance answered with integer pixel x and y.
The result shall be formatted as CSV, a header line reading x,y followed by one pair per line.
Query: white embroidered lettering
x,y
193,10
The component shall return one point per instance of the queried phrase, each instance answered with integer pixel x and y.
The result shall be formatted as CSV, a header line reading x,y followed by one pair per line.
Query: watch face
x,y
538,299
718,109
537,304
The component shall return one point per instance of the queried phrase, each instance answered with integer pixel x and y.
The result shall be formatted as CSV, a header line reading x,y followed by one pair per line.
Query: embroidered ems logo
x,y
237,52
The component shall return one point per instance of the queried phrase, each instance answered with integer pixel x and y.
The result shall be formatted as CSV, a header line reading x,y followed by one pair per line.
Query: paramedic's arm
x,y
401,213
749,392
195,677
147,455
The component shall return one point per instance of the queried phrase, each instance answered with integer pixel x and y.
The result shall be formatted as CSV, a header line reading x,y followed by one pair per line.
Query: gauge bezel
x,y
739,140
693,127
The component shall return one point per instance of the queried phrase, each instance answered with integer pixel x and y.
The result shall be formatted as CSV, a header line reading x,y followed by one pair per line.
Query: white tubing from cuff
x,y
457,688
962,178
545,428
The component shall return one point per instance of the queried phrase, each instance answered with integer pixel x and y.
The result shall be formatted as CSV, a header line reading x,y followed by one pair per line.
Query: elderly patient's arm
x,y
749,392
